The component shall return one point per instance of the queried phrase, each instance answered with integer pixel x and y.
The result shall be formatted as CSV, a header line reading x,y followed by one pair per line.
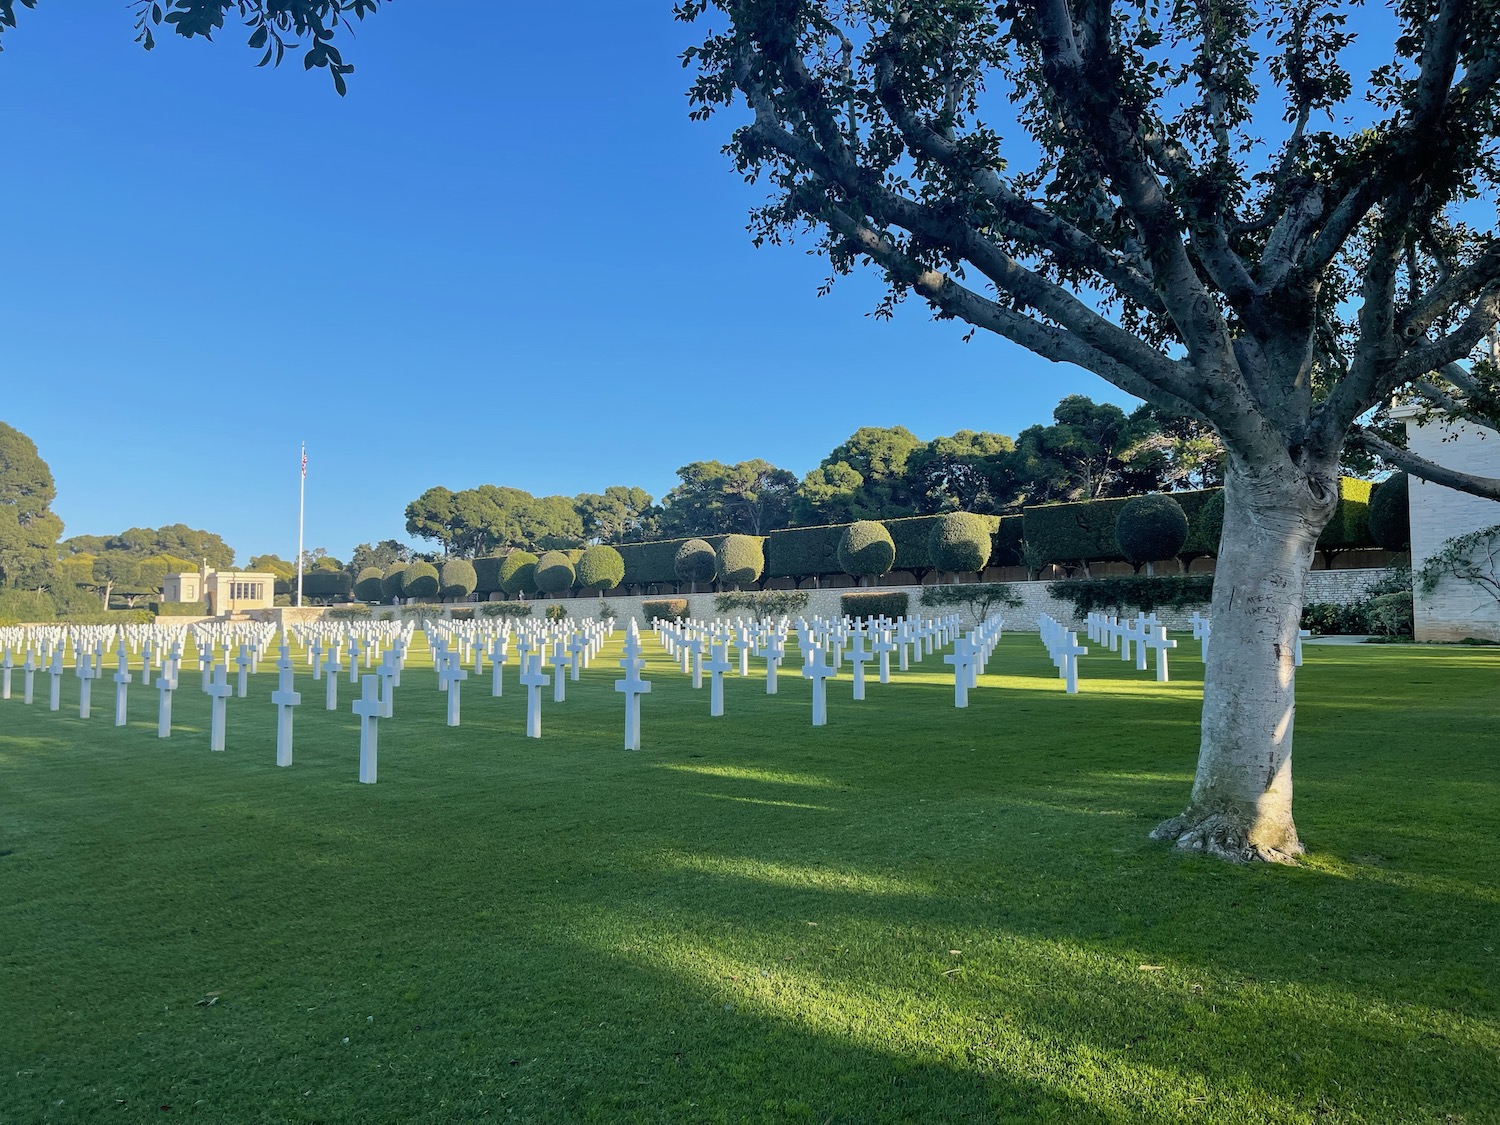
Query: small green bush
x,y
556,613
1392,615
960,543
664,609
600,568
109,617
1332,619
696,562
1390,513
457,579
554,572
420,580
978,597
763,603
866,549
876,603
505,609
740,559
518,573
1151,528
348,612
368,587
390,581
605,612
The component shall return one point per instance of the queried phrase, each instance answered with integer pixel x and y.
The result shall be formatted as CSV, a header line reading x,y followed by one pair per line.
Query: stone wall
x,y
1455,610
1340,586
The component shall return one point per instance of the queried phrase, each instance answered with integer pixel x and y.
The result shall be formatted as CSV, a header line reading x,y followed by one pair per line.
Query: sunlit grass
x,y
913,914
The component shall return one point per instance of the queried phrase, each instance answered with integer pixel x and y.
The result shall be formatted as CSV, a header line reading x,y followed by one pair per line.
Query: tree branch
x,y
1486,487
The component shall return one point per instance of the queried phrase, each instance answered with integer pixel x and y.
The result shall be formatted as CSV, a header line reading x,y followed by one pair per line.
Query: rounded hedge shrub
x,y
959,542
390,581
867,549
368,587
1211,520
457,578
518,573
420,580
741,559
1150,528
326,583
696,562
601,568
554,572
1390,513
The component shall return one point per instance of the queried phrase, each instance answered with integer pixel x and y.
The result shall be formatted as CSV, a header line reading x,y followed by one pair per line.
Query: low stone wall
x,y
1339,586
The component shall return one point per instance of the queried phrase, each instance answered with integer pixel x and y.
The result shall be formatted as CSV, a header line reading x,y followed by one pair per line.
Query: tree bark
x,y
1241,804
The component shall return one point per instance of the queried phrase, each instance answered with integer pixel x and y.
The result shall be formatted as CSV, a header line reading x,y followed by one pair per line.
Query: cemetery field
x,y
912,914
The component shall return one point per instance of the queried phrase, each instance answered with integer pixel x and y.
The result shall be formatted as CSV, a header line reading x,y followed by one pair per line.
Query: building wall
x,y
1455,610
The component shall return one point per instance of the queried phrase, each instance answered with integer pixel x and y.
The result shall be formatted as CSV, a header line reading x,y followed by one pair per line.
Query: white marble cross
x,y
559,680
242,664
146,651
883,647
331,683
1302,635
498,658
28,678
7,662
165,686
695,647
717,665
122,682
354,650
533,679
818,671
88,672
1067,654
55,670
633,688
775,654
859,656
456,677
219,691
285,699
368,708
1158,642
962,659
315,652
575,652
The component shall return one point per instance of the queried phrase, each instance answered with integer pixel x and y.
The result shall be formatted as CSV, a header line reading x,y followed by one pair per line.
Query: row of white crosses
x,y
1125,637
970,656
1064,649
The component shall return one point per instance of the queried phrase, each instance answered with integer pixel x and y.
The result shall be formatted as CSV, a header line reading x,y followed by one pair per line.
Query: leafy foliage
x,y
763,603
741,559
1174,591
391,581
875,603
420,580
518,573
1473,558
505,609
696,561
866,549
600,568
554,572
1390,513
664,609
960,542
979,598
457,579
1151,528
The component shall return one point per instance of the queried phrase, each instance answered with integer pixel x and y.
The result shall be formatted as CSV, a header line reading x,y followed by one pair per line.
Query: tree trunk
x,y
1241,806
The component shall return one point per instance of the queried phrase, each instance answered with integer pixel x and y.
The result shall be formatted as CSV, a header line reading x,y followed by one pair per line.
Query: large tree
x,y
1201,203
28,528
712,498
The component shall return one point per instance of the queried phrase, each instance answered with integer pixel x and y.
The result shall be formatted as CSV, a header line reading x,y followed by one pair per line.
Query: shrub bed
x,y
875,603
763,603
1174,591
505,609
664,609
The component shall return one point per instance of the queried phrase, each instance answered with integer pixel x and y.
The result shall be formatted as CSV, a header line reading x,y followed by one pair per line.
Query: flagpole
x,y
301,516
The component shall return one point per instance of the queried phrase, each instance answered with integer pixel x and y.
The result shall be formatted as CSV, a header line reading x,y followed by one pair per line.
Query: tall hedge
x,y
327,584
696,561
518,573
457,579
741,559
866,549
554,572
1151,528
1390,513
368,587
804,552
420,580
960,542
1349,529
1074,533
390,581
1209,526
487,575
1007,541
875,603
600,568
654,562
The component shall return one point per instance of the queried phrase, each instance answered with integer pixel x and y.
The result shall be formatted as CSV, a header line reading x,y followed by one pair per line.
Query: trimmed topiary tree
x,y
420,580
1150,528
368,587
867,550
518,573
1211,521
960,542
696,562
601,568
390,581
457,578
554,572
741,559
1390,513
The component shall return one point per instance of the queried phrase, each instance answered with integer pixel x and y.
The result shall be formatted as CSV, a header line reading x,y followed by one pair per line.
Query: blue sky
x,y
506,257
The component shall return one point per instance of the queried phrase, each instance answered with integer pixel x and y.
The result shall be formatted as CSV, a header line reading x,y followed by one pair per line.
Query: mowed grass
x,y
913,914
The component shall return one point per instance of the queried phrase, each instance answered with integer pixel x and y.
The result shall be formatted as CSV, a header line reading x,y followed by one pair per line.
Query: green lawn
x,y
913,914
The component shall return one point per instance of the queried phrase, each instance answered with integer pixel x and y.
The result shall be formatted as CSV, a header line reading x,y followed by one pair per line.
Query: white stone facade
x,y
1455,610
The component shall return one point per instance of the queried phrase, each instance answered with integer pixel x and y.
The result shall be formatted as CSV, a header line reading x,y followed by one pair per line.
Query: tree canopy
x,y
29,530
